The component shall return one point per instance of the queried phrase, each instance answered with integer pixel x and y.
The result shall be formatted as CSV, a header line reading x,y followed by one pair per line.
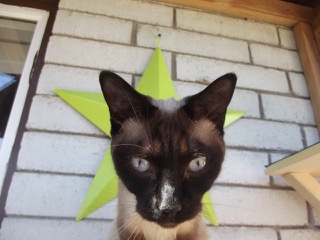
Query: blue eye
x,y
197,164
140,164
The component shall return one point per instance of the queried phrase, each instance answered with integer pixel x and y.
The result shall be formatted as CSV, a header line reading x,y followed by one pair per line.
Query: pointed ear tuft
x,y
213,101
123,101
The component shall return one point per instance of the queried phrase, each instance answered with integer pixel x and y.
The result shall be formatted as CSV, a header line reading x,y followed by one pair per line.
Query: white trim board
x,y
41,18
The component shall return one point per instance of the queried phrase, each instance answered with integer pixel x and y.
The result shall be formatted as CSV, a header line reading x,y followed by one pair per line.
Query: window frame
x,y
40,17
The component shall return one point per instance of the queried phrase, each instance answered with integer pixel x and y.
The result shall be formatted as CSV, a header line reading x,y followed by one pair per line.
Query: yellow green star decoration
x,y
156,82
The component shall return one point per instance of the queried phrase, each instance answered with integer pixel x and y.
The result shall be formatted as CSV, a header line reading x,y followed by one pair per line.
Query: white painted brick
x,y
299,234
288,109
252,206
127,9
287,39
316,215
278,180
188,42
242,233
299,85
264,135
51,113
185,89
40,229
312,135
227,26
61,153
99,55
278,156
243,100
244,167
92,27
246,101
50,195
275,57
71,78
201,69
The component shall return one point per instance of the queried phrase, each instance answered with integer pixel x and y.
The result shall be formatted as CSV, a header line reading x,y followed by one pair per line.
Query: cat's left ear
x,y
212,102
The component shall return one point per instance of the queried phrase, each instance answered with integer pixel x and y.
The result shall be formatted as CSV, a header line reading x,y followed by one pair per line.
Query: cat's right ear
x,y
123,101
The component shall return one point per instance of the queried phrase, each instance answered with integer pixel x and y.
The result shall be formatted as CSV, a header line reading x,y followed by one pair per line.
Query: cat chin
x,y
169,225
166,223
185,230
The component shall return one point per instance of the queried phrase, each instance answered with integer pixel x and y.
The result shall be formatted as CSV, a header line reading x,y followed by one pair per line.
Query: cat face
x,y
167,153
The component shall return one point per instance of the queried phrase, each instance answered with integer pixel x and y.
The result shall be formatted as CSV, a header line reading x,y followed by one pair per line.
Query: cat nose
x,y
170,209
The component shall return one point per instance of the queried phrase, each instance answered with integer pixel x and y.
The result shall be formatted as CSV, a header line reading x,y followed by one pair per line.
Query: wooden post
x,y
310,59
315,24
306,186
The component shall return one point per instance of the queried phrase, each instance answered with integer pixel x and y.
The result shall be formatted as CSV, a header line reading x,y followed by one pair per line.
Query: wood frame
x,y
300,171
304,20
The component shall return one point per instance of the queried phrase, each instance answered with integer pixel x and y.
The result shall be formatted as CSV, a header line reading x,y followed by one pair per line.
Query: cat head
x,y
167,153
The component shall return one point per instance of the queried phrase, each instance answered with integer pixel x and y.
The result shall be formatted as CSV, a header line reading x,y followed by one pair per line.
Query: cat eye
x,y
140,164
197,164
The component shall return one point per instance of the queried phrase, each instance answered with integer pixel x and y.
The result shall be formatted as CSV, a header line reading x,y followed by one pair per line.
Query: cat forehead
x,y
202,130
169,105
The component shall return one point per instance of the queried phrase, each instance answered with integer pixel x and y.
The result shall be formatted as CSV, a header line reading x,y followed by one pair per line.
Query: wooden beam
x,y
315,24
310,59
307,160
306,186
272,11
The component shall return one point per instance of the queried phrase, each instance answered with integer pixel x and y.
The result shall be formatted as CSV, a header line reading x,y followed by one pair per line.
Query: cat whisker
x,y
230,219
135,228
127,224
127,205
222,205
113,119
136,234
149,128
242,208
223,228
200,221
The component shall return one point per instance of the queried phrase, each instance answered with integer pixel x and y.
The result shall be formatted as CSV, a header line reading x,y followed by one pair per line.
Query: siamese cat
x,y
167,154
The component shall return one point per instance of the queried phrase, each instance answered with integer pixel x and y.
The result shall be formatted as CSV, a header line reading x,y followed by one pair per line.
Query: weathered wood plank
x,y
315,24
306,186
310,59
272,11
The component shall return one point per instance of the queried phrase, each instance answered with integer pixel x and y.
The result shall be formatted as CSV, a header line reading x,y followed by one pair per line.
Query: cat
x,y
167,154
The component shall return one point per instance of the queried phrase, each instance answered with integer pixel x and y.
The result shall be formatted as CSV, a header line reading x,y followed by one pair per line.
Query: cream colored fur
x,y
130,221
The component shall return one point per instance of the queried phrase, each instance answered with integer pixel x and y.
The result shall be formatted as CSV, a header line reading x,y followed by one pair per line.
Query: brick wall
x,y
61,151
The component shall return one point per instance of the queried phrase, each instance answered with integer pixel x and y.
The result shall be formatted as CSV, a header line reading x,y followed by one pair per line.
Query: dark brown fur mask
x,y
167,153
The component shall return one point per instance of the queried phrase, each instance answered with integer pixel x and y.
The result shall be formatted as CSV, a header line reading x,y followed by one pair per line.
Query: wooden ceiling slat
x,y
272,11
